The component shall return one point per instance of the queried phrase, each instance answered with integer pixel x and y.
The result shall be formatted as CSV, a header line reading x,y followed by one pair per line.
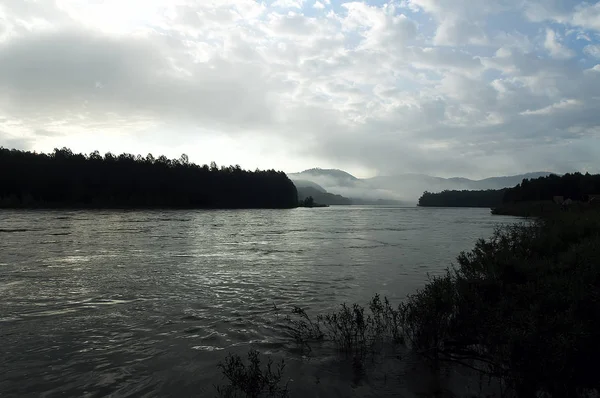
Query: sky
x,y
444,87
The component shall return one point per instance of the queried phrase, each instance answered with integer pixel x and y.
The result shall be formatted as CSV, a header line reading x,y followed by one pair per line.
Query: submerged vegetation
x,y
251,380
66,179
521,308
354,331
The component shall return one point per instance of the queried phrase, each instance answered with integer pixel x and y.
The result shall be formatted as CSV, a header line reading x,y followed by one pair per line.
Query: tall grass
x,y
250,380
355,331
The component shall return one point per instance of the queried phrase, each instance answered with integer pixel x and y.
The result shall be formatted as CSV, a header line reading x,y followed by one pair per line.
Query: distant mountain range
x,y
397,189
356,193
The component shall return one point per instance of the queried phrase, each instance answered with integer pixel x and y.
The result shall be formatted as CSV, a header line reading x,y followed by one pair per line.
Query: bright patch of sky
x,y
445,87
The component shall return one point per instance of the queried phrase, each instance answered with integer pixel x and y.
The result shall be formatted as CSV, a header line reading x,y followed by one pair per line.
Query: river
x,y
146,303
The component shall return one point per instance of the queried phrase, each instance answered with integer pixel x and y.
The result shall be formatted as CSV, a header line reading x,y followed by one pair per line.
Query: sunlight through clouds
x,y
358,85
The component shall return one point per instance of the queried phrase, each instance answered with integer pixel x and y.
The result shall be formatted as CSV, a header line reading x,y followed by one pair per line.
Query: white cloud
x,y
381,28
433,86
555,47
564,104
587,16
460,22
582,14
593,50
289,3
596,69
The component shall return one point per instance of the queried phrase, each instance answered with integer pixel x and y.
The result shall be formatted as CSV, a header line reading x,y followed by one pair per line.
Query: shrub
x,y
250,380
522,306
353,330
303,329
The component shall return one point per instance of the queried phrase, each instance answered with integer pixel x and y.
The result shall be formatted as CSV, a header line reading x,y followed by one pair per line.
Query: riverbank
x,y
526,209
542,208
521,307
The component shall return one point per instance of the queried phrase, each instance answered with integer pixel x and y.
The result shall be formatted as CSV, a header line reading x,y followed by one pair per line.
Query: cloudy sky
x,y
447,87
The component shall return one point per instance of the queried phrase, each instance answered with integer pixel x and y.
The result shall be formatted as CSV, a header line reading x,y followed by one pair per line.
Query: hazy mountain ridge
x,y
322,197
337,173
401,187
308,184
342,183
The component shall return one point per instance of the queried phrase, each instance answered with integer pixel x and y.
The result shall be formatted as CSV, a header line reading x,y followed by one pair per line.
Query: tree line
x,y
574,186
66,179
448,198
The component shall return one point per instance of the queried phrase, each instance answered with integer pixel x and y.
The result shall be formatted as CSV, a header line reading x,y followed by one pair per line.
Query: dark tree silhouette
x,y
308,202
65,179
487,198
575,186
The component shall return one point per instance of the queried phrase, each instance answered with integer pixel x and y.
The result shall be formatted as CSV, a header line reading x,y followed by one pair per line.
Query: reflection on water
x,y
135,303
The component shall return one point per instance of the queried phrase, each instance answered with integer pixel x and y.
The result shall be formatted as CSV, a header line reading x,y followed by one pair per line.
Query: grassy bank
x,y
522,307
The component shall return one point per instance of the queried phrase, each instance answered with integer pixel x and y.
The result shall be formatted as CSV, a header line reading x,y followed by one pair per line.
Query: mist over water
x,y
147,302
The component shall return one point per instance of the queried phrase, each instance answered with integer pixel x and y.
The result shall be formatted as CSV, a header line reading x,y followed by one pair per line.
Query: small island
x,y
310,202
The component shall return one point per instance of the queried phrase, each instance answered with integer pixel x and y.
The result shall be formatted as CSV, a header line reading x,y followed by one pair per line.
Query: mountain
x,y
345,184
401,187
308,188
335,173
308,184
320,195
509,181
328,176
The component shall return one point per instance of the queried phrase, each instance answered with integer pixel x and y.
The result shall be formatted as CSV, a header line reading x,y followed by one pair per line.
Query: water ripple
x,y
143,303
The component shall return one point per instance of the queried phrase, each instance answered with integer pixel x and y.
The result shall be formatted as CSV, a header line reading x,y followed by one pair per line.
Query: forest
x,y
574,186
65,179
487,198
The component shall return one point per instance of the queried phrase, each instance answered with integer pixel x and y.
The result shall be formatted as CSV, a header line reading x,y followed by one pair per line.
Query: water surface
x,y
135,303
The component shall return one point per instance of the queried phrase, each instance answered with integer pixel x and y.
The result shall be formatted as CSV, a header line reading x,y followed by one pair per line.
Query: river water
x,y
146,303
